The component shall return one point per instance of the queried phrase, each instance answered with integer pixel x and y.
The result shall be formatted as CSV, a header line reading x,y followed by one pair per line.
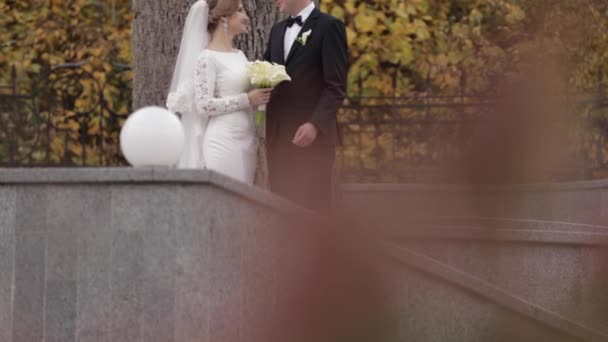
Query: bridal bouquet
x,y
266,75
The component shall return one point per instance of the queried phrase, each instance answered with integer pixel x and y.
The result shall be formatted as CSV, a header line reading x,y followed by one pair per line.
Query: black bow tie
x,y
292,20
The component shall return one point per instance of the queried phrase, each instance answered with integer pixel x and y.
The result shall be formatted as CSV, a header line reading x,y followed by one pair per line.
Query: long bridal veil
x,y
180,99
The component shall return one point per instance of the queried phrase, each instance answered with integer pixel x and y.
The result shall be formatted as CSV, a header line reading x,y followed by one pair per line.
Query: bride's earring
x,y
225,25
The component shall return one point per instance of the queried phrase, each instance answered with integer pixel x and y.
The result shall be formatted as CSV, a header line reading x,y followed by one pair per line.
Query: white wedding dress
x,y
221,83
219,127
209,91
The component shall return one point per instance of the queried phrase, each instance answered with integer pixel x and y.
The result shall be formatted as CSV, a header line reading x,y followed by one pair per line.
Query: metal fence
x,y
71,117
414,139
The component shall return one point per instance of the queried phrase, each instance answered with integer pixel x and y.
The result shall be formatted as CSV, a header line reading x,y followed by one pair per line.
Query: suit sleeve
x,y
334,52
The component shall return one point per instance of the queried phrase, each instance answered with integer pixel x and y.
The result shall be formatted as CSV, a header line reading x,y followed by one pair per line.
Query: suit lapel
x,y
278,44
309,24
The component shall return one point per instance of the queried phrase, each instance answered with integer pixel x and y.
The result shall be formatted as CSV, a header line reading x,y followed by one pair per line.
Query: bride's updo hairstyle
x,y
219,9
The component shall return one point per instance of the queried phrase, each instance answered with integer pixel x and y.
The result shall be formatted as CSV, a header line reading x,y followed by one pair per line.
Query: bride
x,y
211,90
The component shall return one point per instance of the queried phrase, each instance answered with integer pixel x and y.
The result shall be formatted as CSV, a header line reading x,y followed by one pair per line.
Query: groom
x,y
301,124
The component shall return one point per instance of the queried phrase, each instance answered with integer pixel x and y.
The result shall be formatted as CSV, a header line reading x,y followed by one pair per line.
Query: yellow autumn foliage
x,y
397,48
38,36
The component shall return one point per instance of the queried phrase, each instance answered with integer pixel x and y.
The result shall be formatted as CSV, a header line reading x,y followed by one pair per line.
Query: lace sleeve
x,y
181,100
207,103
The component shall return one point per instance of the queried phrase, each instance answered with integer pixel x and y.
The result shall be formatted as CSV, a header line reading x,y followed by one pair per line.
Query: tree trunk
x,y
157,30
262,15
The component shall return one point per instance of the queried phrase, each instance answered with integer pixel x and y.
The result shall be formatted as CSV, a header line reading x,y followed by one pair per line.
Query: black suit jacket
x,y
319,72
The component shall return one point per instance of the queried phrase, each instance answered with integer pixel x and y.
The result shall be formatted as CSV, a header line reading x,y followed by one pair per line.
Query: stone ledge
x,y
536,187
128,175
505,235
526,224
491,229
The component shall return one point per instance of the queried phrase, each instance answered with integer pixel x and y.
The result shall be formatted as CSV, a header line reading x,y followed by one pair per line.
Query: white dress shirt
x,y
292,32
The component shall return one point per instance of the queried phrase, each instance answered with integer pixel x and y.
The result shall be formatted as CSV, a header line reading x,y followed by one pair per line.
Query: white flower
x,y
305,36
279,75
267,75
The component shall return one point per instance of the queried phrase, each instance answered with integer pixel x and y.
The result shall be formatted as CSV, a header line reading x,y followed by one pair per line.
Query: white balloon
x,y
152,136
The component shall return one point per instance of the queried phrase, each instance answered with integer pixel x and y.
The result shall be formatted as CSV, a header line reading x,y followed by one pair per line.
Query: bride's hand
x,y
258,97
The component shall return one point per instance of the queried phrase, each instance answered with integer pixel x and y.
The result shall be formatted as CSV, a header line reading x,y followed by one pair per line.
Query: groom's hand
x,y
306,135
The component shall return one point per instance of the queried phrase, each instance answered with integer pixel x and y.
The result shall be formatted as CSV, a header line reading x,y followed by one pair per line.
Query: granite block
x,y
597,273
28,309
74,208
60,311
127,270
94,287
62,255
8,209
158,312
143,207
552,277
445,313
225,301
32,203
193,235
7,263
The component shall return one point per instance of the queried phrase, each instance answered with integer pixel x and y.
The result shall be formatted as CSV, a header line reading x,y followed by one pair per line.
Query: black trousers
x,y
303,175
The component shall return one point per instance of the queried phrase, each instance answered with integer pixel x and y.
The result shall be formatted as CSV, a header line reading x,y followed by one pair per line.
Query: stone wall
x,y
539,253
143,255
577,202
161,255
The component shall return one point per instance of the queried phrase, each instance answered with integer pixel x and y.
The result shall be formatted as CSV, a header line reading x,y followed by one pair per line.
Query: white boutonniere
x,y
304,37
